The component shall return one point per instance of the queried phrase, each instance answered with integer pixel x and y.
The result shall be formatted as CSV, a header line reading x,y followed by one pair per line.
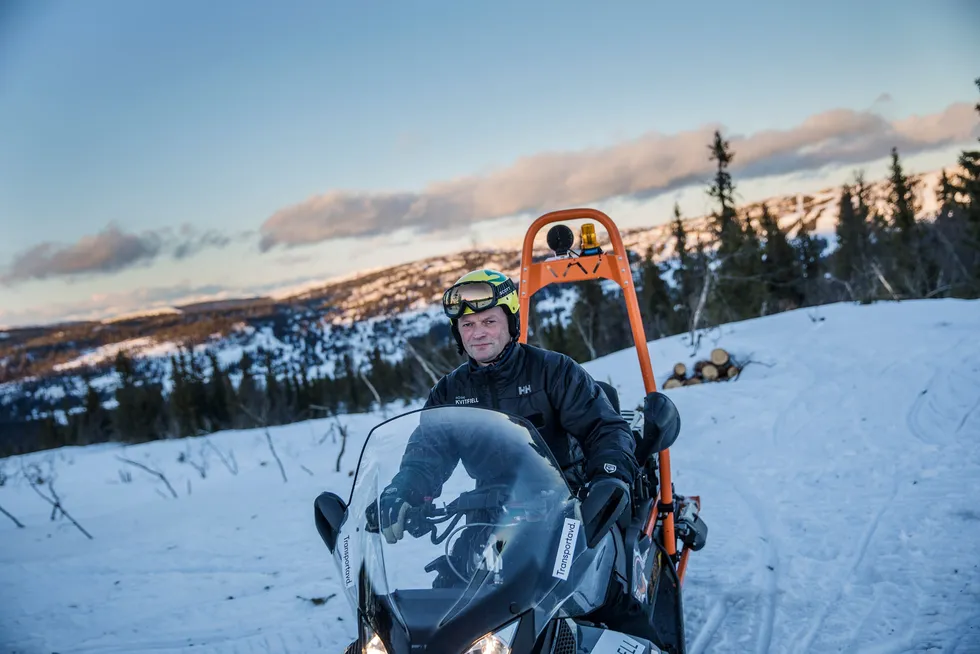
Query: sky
x,y
157,152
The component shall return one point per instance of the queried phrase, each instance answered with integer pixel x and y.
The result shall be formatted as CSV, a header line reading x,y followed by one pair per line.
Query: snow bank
x,y
837,474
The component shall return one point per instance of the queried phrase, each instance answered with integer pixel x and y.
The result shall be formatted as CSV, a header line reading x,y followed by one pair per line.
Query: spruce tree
x,y
656,305
274,395
141,413
781,272
809,255
95,424
219,394
129,416
848,254
905,239
740,291
951,234
684,274
727,229
968,184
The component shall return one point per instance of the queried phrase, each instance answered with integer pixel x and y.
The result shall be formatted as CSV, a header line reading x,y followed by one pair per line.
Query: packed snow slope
x,y
839,477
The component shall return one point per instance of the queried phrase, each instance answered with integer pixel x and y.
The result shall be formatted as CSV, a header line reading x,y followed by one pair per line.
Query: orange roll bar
x,y
615,266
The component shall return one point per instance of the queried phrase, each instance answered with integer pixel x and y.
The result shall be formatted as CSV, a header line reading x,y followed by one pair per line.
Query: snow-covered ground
x,y
839,477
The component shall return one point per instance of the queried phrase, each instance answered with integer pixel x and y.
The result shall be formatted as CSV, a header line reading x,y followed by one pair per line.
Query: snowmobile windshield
x,y
495,533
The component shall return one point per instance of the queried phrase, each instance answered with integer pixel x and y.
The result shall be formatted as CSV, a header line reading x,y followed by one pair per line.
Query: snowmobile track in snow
x,y
766,601
845,575
947,411
295,639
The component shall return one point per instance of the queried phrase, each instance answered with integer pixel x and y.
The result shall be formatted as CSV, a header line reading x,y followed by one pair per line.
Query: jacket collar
x,y
509,361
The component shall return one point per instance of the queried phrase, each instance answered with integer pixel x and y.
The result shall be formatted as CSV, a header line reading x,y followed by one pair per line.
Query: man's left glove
x,y
606,497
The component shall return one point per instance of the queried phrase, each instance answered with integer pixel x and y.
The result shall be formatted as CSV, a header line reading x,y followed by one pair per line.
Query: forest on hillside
x,y
753,267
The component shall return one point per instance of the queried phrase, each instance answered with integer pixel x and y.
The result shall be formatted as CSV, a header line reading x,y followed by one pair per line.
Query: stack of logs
x,y
719,367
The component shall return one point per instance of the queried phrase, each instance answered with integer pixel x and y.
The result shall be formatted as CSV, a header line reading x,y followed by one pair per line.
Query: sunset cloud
x,y
640,168
110,251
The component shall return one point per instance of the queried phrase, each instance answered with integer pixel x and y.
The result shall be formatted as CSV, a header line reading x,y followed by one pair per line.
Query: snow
x,y
837,476
144,346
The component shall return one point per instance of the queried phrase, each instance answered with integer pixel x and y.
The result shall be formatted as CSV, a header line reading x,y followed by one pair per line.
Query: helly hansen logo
x,y
524,390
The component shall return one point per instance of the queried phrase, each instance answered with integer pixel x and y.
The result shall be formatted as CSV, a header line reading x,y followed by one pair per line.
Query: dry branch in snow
x,y
187,457
268,438
11,516
229,462
343,443
36,479
155,473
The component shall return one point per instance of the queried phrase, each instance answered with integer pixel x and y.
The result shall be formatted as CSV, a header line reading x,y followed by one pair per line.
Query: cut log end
x,y
673,383
719,356
709,372
680,370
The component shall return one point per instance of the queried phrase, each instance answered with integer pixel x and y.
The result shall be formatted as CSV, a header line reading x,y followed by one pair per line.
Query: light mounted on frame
x,y
590,243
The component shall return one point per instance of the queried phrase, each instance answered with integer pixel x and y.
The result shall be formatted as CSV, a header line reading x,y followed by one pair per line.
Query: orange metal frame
x,y
613,266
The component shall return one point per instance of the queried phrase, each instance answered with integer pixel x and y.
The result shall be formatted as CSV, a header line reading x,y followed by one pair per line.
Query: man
x,y
551,390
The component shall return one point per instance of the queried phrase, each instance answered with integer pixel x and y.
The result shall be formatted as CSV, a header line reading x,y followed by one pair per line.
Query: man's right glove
x,y
393,505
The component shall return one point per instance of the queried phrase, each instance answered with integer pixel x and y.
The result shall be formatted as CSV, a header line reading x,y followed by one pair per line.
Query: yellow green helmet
x,y
478,291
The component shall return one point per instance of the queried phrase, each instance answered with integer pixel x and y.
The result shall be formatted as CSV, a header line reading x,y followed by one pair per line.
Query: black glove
x,y
605,500
394,503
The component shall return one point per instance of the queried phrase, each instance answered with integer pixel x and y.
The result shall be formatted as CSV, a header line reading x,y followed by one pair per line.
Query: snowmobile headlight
x,y
375,646
498,642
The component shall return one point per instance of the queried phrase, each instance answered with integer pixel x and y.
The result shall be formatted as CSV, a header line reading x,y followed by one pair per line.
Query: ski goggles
x,y
478,296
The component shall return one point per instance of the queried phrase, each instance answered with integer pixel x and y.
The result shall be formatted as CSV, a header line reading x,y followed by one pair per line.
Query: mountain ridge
x,y
348,313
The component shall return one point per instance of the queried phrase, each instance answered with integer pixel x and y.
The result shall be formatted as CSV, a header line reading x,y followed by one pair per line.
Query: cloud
x,y
640,168
109,251
192,243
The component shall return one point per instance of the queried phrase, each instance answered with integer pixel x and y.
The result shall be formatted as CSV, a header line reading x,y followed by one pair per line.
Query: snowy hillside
x,y
382,307
838,476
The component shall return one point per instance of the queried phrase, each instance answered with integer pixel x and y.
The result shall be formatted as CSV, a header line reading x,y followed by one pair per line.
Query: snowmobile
x,y
516,562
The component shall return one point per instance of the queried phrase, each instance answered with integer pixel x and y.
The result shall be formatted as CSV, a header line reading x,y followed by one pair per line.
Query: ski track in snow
x,y
838,482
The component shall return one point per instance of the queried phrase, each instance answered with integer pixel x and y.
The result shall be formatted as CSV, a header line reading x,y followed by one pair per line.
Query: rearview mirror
x,y
329,513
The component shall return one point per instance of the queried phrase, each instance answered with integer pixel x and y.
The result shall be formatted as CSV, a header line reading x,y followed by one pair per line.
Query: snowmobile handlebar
x,y
427,517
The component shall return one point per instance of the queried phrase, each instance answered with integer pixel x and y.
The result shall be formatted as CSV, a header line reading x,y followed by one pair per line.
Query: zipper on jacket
x,y
493,392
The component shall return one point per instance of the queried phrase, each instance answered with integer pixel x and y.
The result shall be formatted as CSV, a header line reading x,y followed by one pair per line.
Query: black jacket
x,y
555,394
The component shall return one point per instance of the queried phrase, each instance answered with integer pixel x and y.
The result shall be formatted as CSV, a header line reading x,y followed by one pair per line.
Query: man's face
x,y
484,334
